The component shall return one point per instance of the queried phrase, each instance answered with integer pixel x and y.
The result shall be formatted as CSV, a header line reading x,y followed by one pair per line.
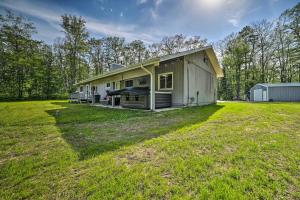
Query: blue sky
x,y
148,20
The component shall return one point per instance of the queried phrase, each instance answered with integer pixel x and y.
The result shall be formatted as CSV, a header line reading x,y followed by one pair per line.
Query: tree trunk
x,y
238,82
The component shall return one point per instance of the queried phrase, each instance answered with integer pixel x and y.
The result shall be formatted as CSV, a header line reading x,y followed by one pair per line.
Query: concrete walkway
x,y
120,107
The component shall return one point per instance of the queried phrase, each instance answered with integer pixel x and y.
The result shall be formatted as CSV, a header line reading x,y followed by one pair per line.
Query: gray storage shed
x,y
275,92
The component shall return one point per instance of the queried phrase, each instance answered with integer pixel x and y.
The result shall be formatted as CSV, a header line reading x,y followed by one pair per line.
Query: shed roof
x,y
208,49
280,84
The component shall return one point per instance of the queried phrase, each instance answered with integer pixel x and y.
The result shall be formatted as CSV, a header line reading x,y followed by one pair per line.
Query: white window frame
x,y
158,79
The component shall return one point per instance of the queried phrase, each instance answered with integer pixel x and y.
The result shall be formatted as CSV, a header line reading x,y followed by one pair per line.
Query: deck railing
x,y
79,96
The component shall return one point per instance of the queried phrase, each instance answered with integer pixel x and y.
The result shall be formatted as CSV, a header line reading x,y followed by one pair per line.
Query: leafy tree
x,y
75,47
262,52
96,55
137,51
16,45
113,50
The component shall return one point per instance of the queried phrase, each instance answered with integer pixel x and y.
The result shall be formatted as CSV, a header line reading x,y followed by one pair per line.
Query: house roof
x,y
280,84
183,53
155,61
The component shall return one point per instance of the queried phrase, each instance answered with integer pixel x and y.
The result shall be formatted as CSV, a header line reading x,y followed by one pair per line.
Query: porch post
x,y
152,89
93,94
113,101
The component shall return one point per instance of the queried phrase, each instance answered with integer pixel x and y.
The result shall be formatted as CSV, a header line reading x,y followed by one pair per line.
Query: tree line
x,y
263,52
31,69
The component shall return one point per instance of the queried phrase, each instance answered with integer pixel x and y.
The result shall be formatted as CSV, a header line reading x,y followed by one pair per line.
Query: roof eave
x,y
215,63
121,70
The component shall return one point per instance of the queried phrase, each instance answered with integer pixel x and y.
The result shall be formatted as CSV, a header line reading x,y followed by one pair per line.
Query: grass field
x,y
56,150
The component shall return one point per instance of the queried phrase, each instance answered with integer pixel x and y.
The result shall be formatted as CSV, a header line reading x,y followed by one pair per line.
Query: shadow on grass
x,y
94,130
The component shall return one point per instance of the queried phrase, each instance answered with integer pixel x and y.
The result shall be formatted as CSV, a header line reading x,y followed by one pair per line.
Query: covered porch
x,y
140,98
132,87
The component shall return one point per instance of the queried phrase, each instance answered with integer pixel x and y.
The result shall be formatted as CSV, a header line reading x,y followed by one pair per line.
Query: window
x,y
107,84
81,89
165,81
129,83
142,81
118,85
136,98
127,97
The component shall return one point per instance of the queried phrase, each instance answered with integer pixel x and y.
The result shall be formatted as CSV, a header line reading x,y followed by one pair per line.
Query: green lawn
x,y
56,150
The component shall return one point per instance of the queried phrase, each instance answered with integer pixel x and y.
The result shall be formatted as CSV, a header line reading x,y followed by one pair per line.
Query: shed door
x,y
264,94
258,95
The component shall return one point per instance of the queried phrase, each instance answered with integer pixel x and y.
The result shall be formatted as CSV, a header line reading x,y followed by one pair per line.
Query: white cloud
x,y
157,2
273,1
141,1
53,16
32,10
128,31
234,22
153,13
47,32
208,18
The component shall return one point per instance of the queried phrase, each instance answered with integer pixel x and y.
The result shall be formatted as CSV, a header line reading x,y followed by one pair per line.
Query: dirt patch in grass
x,y
142,155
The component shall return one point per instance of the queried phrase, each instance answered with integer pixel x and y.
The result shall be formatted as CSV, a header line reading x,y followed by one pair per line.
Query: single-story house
x,y
275,92
181,79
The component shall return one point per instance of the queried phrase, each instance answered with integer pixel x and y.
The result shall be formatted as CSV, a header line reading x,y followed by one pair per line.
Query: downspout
x,y
151,86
